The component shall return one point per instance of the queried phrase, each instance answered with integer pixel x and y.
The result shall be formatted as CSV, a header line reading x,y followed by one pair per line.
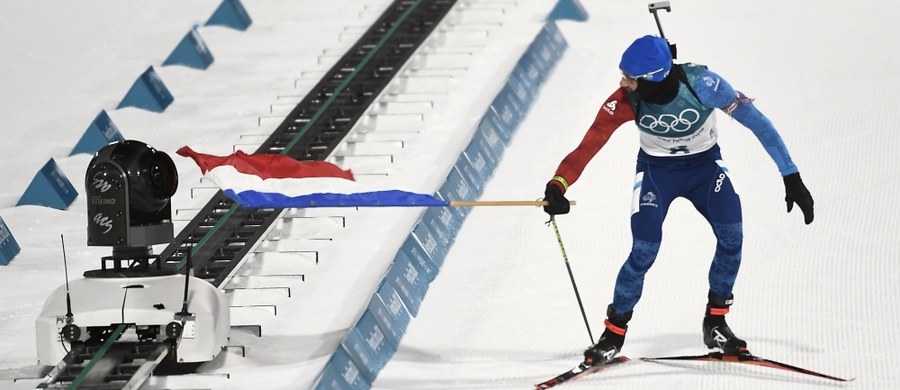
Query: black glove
x,y
796,192
556,202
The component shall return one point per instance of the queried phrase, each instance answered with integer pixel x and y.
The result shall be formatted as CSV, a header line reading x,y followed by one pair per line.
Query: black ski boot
x,y
611,340
716,333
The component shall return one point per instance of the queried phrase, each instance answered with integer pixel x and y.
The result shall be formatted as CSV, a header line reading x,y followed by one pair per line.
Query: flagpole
x,y
469,203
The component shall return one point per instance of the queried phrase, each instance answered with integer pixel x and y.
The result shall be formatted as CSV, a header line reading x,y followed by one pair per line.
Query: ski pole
x,y
571,277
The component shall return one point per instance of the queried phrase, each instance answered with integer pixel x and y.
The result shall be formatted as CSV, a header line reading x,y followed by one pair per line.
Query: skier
x,y
673,107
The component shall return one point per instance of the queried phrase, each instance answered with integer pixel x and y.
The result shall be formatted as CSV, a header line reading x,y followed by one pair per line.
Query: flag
x,y
279,181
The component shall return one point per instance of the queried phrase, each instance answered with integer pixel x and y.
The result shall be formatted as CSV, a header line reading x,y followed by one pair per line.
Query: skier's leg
x,y
629,285
650,204
727,259
630,280
648,211
718,202
721,206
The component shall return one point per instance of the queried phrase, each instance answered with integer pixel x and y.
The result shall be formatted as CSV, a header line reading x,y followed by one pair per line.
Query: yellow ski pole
x,y
571,277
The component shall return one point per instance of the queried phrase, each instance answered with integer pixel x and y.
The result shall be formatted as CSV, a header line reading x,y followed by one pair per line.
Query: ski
x,y
580,371
747,358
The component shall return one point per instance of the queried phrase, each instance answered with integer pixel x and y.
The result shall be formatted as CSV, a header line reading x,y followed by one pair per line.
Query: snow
x,y
502,313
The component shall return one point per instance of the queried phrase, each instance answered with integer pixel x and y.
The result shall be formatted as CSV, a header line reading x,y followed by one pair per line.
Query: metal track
x,y
113,364
123,366
222,233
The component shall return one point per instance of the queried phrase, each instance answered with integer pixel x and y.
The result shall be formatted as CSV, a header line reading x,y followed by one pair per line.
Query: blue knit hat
x,y
648,58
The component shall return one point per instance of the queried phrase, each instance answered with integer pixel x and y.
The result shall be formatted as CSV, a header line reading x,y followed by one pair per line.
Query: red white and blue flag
x,y
279,181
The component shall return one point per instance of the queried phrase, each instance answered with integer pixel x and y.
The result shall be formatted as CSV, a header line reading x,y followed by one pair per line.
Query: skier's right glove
x,y
556,201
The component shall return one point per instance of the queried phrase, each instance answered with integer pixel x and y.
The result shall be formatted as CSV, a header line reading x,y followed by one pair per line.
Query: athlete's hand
x,y
796,192
556,201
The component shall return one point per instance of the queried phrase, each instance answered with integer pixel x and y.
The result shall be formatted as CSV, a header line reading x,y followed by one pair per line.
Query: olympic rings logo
x,y
666,122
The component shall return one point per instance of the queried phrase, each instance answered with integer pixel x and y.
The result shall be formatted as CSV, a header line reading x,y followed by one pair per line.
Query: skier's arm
x,y
615,111
714,91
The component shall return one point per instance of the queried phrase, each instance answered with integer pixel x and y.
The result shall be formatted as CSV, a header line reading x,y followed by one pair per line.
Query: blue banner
x,y
457,188
232,14
413,252
568,9
50,188
370,345
409,283
528,74
191,52
509,107
390,313
148,92
341,373
430,243
9,248
445,234
101,132
477,172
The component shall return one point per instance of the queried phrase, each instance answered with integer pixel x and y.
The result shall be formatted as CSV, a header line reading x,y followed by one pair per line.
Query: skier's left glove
x,y
796,192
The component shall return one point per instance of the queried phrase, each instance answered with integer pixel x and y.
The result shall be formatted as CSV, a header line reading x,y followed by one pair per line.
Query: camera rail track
x,y
223,233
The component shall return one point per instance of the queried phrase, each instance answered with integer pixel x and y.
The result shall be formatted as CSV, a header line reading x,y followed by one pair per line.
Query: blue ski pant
x,y
703,180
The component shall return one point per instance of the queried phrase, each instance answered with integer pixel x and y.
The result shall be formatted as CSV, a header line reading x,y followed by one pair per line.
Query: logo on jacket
x,y
610,107
712,83
669,122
